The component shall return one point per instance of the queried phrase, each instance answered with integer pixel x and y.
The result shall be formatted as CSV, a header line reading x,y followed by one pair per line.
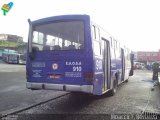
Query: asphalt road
x,y
13,92
132,97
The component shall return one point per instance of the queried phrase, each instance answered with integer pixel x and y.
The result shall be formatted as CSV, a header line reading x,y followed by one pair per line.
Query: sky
x,y
135,23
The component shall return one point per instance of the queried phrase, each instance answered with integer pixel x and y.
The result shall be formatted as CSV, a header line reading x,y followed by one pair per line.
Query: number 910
x,y
77,69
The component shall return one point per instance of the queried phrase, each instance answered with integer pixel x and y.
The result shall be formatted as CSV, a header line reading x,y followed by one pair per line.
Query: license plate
x,y
54,76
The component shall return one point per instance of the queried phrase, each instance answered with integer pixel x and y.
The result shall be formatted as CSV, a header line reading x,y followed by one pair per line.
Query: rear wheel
x,y
114,89
126,81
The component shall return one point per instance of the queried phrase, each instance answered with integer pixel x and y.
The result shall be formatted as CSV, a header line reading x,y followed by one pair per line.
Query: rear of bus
x,y
13,58
59,54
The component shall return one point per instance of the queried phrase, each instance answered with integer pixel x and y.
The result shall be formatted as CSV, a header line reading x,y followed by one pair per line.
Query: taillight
x,y
88,76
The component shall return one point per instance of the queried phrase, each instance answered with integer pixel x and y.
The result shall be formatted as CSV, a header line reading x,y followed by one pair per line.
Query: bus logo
x,y
55,66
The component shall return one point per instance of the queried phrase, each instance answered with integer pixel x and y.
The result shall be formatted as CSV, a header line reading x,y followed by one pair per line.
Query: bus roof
x,y
61,17
9,51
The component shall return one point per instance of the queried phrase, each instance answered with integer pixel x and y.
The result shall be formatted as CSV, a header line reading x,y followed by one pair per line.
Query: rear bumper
x,y
65,87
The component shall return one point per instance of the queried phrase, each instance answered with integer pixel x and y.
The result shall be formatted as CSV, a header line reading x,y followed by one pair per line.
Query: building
x,y
8,41
148,56
11,38
12,42
3,37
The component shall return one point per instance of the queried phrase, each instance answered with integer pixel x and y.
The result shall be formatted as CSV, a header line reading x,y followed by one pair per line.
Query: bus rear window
x,y
67,35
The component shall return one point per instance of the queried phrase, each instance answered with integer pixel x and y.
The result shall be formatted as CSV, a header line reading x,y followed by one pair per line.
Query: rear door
x,y
106,63
123,64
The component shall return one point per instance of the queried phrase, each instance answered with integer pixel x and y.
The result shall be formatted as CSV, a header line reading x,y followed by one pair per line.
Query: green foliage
x,y
9,44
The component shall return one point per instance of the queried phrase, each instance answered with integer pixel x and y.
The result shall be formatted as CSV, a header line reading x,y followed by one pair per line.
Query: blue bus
x,y
14,58
9,57
72,53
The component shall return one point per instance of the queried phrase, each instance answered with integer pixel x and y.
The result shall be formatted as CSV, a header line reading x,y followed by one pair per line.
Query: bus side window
x,y
115,43
96,40
93,32
96,48
111,43
97,34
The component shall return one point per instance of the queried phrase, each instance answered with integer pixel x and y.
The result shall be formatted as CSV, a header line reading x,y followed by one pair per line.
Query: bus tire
x,y
114,89
126,81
